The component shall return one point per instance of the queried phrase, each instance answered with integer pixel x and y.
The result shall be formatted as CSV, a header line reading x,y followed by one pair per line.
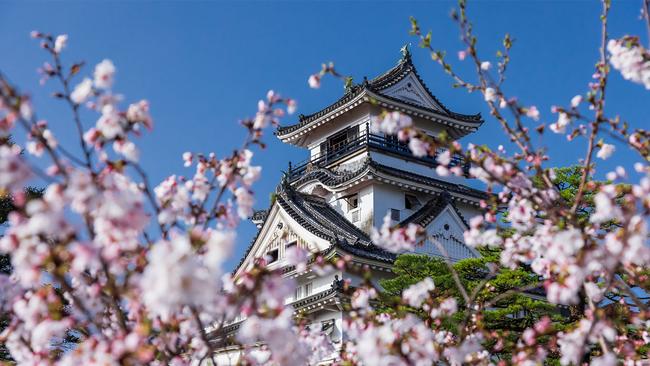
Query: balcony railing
x,y
365,140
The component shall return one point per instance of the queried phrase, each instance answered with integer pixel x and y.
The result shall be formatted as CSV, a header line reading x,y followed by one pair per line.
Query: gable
x,y
445,237
277,231
411,90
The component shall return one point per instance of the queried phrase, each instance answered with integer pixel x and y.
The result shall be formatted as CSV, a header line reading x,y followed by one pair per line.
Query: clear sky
x,y
204,65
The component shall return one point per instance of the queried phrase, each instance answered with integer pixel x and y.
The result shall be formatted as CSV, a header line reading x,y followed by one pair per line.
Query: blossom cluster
x,y
110,270
629,57
95,280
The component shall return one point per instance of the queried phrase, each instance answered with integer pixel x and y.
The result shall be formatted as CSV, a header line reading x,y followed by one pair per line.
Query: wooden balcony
x,y
364,140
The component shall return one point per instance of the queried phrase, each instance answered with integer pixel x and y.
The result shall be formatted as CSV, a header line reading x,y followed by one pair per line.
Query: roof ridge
x,y
425,214
377,84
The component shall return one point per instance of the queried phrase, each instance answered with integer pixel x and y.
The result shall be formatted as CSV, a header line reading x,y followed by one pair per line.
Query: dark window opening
x,y
337,141
353,202
411,202
394,214
290,245
341,139
273,254
392,142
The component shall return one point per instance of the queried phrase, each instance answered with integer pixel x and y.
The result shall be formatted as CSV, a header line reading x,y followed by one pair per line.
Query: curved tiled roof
x,y
430,210
303,120
403,68
378,84
318,217
259,215
331,178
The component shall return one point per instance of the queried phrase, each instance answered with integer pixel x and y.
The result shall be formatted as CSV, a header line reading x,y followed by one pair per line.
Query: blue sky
x,y
204,65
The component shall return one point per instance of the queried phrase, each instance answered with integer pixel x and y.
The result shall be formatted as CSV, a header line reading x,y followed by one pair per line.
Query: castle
x,y
352,178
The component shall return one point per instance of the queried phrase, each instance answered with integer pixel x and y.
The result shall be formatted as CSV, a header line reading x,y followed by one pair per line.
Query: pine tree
x,y
516,296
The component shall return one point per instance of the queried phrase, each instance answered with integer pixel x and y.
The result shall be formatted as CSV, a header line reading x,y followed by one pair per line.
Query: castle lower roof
x,y
333,179
431,209
319,218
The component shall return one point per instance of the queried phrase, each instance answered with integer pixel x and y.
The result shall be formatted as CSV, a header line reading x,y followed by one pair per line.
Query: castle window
x,y
355,216
341,139
273,254
394,214
298,293
411,202
308,288
353,202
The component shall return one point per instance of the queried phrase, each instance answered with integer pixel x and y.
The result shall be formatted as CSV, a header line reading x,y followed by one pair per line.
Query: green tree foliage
x,y
516,296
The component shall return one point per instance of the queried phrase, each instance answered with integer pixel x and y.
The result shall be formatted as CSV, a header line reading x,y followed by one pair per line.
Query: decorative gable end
x,y
411,90
277,232
445,237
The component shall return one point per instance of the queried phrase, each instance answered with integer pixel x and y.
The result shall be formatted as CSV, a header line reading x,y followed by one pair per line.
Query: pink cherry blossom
x,y
606,150
314,81
396,239
82,91
490,95
60,42
416,294
14,172
104,74
631,59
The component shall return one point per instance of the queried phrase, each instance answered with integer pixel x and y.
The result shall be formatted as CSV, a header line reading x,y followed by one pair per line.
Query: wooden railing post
x,y
367,133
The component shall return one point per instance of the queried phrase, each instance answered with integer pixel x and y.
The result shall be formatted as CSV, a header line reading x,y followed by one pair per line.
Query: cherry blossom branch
x,y
65,83
204,337
599,105
646,15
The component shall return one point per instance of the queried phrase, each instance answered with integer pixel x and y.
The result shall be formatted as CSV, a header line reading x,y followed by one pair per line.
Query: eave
x,y
295,134
373,90
319,219
384,173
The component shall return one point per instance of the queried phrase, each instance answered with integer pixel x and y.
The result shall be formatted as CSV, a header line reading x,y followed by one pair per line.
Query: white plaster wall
x,y
418,168
366,204
352,162
359,115
386,197
319,283
365,194
227,358
468,210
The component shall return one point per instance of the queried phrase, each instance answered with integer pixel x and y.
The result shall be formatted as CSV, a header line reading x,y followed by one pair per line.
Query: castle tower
x,y
350,179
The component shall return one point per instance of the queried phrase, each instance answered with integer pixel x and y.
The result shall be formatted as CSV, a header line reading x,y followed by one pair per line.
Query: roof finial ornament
x,y
349,84
284,180
406,53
